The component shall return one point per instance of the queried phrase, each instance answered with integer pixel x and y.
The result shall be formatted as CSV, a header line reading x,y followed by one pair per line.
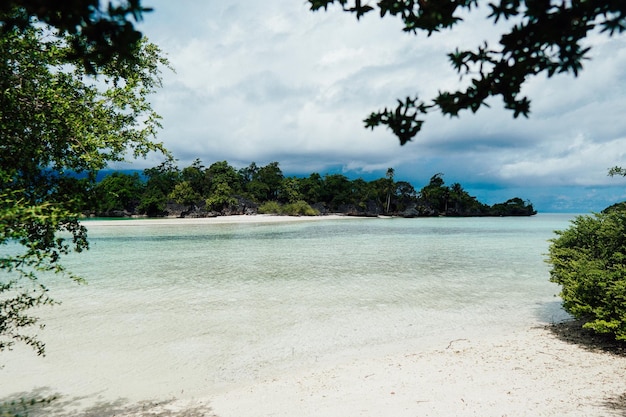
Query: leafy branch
x,y
544,37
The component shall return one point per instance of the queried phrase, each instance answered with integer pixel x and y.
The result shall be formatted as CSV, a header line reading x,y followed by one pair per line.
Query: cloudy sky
x,y
272,81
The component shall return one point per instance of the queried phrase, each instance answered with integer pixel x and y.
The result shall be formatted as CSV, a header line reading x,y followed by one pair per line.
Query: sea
x,y
184,308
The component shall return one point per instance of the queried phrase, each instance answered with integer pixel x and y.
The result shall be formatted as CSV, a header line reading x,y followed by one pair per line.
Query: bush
x,y
299,208
589,262
269,207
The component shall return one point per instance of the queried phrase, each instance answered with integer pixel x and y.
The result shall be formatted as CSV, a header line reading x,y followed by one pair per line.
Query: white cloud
x,y
581,162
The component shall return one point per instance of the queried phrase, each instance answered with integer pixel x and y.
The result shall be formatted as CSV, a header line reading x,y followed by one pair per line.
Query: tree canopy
x,y
56,121
221,189
542,37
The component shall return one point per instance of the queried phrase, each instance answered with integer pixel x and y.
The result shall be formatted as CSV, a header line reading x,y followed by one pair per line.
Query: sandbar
x,y
255,218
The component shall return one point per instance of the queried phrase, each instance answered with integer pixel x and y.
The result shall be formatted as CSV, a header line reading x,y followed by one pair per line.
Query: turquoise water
x,y
186,308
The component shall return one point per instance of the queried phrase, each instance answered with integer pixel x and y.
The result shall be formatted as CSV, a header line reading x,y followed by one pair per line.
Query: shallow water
x,y
188,309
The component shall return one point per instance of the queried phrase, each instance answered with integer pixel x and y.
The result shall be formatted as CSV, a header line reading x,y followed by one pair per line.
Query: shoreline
x,y
233,219
254,218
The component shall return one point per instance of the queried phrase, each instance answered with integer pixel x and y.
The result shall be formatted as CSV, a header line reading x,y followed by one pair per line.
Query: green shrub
x,y
299,208
270,207
589,262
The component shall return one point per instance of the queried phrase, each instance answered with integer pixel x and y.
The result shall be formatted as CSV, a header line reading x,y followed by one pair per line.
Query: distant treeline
x,y
220,189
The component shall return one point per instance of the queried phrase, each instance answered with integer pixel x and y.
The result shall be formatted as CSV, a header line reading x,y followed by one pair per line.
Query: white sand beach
x,y
256,218
536,372
531,373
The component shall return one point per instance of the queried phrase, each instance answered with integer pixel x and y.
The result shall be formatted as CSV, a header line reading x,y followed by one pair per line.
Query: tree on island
x,y
57,120
221,189
541,37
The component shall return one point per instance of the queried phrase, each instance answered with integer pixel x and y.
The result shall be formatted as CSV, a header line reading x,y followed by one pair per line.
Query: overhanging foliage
x,y
55,120
543,37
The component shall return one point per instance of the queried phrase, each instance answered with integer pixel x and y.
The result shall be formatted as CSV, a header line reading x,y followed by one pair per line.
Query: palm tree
x,y
390,187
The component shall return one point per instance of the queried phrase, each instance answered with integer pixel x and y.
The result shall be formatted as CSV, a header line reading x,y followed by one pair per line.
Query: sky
x,y
273,81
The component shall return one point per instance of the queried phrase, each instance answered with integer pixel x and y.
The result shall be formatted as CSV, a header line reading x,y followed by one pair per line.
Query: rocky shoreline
x,y
513,207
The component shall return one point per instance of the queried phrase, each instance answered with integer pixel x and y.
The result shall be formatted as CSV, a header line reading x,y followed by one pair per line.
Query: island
x,y
221,189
